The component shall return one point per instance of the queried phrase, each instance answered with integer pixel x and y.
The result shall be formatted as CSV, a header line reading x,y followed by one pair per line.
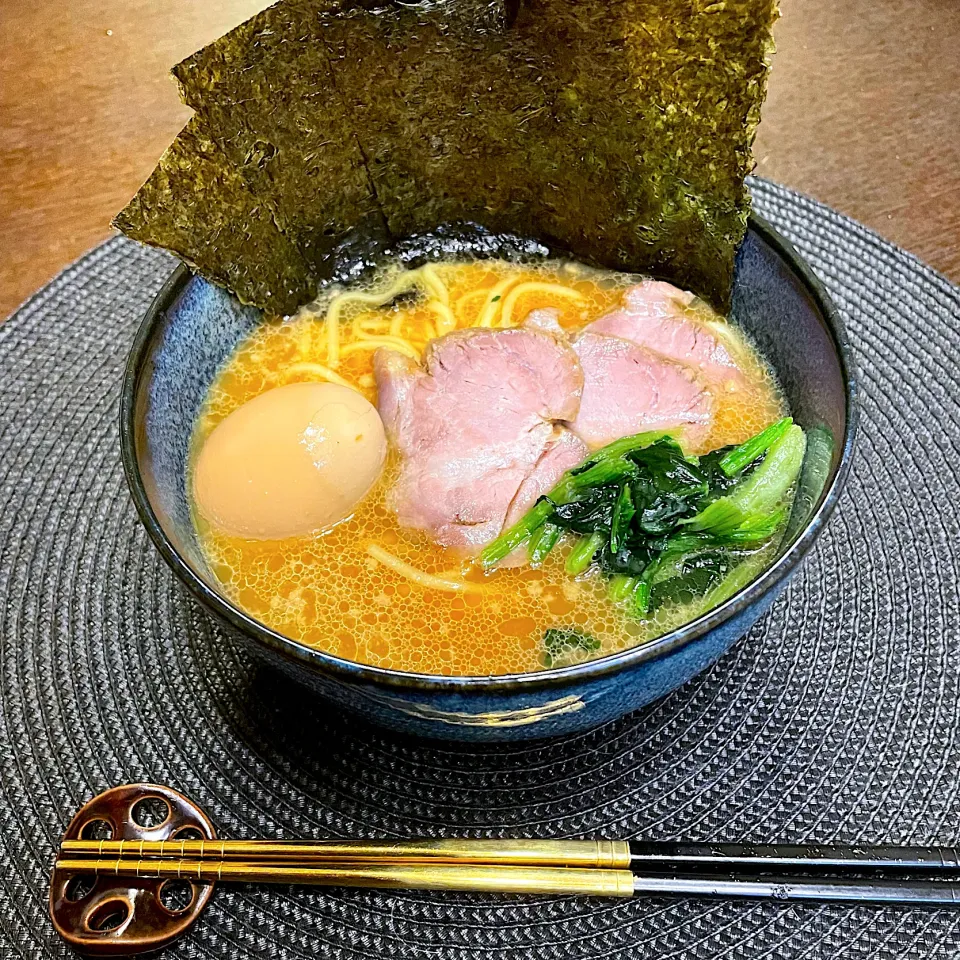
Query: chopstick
x,y
911,876
906,875
484,878
656,857
467,877
925,893
783,858
545,853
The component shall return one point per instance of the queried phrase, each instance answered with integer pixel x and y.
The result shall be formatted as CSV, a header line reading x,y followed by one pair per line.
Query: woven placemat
x,y
835,719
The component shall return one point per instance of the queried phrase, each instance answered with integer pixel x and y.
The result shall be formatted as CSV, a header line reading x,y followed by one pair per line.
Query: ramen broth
x,y
373,591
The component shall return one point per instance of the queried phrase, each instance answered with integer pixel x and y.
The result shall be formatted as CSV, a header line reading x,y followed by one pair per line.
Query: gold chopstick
x,y
612,854
464,877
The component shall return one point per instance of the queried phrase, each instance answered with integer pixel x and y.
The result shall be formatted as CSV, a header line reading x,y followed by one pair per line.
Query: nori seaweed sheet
x,y
197,205
293,147
617,130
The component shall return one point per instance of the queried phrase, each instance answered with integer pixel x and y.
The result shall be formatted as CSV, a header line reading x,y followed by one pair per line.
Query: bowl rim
x,y
354,672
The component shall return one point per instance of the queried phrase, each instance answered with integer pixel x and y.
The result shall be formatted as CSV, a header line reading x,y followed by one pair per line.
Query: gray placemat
x,y
835,719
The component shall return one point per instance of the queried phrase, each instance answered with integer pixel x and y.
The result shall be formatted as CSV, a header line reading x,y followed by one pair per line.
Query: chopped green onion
x,y
581,555
740,457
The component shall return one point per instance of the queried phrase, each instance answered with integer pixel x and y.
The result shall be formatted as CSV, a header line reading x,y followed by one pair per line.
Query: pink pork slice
x,y
564,451
655,315
629,389
475,425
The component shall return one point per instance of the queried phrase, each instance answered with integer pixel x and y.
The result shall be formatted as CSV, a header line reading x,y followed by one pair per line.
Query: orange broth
x,y
327,591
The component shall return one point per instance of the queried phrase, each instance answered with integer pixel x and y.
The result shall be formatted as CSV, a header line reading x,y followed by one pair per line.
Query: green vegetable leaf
x,y
621,587
574,485
542,542
593,511
560,642
740,457
599,469
517,535
717,517
641,597
584,551
817,461
661,524
623,513
753,530
692,576
632,558
668,486
620,448
759,493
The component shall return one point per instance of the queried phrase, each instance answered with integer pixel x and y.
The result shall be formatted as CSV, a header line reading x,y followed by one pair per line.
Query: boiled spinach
x,y
658,522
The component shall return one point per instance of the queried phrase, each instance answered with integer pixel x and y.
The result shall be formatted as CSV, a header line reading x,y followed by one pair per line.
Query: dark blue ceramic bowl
x,y
192,327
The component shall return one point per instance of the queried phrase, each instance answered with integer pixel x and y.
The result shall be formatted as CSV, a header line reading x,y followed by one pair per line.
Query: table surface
x,y
863,113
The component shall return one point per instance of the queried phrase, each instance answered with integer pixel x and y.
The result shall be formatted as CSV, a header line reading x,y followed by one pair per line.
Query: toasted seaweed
x,y
292,144
618,130
197,205
268,95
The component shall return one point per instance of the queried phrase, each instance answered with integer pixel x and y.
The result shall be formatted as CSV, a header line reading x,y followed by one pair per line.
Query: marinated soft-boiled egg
x,y
295,460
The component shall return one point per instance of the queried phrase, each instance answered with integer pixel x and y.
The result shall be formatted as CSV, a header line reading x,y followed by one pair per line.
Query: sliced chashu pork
x,y
563,452
481,428
478,424
655,315
629,389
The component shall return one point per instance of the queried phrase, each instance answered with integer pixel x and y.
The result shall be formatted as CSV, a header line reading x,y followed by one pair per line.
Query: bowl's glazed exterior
x,y
192,327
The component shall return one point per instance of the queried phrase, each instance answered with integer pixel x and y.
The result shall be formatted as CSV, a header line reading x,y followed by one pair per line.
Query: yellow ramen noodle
x,y
372,591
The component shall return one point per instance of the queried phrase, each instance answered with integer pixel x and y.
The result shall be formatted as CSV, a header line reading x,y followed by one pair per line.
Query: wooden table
x,y
863,113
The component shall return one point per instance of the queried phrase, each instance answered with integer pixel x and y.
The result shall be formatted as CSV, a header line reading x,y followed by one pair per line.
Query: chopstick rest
x,y
123,914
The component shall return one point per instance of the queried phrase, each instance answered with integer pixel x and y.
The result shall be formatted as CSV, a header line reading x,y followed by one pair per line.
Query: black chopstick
x,y
919,893
786,859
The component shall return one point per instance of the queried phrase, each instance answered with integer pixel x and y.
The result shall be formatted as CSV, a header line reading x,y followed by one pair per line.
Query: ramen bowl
x,y
193,327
